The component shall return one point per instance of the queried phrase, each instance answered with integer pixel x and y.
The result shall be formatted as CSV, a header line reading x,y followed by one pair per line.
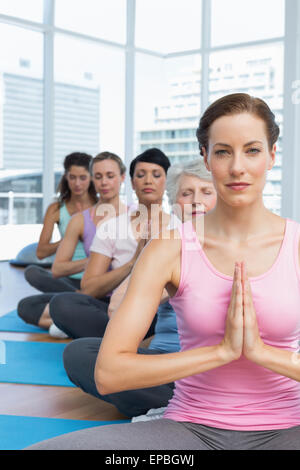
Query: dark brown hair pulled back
x,y
76,159
237,103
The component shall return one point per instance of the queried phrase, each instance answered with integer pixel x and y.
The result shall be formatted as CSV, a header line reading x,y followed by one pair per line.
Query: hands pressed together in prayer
x,y
241,333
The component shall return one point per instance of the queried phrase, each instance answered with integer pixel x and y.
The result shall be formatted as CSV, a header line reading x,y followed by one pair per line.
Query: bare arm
x,y
118,365
97,281
92,282
283,362
119,294
63,264
45,247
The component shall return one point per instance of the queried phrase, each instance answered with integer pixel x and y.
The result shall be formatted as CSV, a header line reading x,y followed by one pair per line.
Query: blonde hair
x,y
108,156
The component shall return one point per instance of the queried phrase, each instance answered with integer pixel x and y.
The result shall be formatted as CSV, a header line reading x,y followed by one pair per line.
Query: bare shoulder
x,y
277,227
52,212
76,224
279,222
77,218
165,247
53,207
161,256
167,237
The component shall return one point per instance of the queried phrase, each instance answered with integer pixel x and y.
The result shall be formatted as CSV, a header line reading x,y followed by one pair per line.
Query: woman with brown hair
x,y
235,290
76,192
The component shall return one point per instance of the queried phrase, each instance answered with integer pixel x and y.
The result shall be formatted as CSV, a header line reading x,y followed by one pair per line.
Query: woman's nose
x,y
197,198
237,165
148,178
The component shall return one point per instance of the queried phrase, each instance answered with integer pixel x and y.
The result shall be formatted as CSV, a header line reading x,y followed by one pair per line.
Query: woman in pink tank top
x,y
234,283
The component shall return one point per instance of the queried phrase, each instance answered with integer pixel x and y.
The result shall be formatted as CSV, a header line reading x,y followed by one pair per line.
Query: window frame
x,y
290,190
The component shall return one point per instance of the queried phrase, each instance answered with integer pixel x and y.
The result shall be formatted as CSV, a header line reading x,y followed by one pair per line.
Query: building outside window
x,y
114,85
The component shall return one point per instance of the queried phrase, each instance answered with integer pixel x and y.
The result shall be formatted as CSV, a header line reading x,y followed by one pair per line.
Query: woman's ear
x,y
272,157
205,158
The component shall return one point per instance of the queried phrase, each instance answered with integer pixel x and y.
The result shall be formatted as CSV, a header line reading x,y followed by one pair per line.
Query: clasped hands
x,y
242,335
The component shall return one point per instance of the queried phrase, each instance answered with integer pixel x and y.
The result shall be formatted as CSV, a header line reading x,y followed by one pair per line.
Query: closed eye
x,y
221,152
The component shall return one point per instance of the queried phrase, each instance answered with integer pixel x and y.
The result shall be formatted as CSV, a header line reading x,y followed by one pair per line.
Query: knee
x,y
25,311
30,274
59,308
72,357
79,358
22,308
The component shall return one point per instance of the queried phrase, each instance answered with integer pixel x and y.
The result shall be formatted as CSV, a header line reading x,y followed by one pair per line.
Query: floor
x,y
36,400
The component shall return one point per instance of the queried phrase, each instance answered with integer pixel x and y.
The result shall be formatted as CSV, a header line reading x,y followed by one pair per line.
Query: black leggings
x,y
166,434
30,308
79,361
82,316
42,280
76,314
79,315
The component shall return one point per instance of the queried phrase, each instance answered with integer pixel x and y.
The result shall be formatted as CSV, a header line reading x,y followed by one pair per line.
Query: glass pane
x,y
28,9
89,98
259,72
4,211
235,21
105,19
168,25
167,105
26,208
21,122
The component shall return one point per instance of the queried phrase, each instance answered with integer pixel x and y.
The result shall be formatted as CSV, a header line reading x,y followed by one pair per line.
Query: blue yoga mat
x,y
18,432
12,322
30,362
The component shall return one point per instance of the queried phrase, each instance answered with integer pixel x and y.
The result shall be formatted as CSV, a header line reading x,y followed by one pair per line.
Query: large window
x,y
227,62
168,25
168,105
259,72
105,19
236,21
89,98
31,10
72,70
21,117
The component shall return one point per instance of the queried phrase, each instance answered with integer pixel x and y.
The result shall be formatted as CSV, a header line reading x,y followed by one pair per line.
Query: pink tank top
x,y
240,395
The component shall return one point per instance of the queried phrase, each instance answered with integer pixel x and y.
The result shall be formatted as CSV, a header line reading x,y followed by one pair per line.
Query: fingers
x,y
233,338
247,294
238,290
236,293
